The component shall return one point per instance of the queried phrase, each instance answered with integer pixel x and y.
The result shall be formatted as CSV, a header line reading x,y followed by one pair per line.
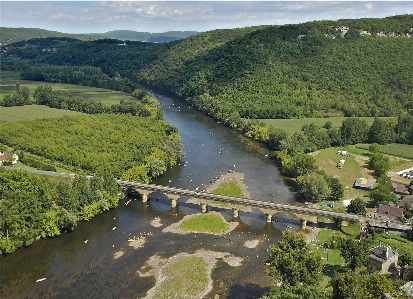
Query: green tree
x,y
296,292
356,253
293,262
354,130
136,174
154,166
313,186
379,163
357,206
297,165
337,189
382,131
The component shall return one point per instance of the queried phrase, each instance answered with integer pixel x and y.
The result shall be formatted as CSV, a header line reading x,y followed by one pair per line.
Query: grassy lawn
x,y
230,188
208,223
295,125
330,256
186,278
31,112
327,160
105,96
352,229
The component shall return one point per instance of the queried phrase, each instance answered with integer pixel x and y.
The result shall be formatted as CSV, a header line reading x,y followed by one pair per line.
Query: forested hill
x,y
12,35
348,67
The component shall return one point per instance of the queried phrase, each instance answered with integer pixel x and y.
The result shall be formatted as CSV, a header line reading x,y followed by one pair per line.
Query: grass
x,y
208,223
186,278
105,96
393,149
230,188
327,160
331,256
31,112
295,125
352,229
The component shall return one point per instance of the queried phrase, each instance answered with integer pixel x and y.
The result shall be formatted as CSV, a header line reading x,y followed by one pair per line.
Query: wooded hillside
x,y
325,68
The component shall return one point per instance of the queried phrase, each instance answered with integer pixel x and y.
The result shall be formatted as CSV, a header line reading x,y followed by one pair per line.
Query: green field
x,y
31,112
105,96
295,125
393,149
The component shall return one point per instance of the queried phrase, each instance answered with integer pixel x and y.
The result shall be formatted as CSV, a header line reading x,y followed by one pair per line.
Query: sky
x,y
162,16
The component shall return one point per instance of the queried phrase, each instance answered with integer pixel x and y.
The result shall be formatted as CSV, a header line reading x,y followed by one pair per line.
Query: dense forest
x,y
79,141
314,69
33,207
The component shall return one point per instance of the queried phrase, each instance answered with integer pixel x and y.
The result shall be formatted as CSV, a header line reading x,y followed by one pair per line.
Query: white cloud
x,y
61,15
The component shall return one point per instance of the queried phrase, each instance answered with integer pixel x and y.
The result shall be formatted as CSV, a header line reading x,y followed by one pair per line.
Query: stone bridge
x,y
269,208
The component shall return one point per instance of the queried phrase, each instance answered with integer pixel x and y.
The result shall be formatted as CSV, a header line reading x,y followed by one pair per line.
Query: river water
x,y
106,267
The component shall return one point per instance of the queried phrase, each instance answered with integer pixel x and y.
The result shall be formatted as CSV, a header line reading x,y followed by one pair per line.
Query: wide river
x,y
106,267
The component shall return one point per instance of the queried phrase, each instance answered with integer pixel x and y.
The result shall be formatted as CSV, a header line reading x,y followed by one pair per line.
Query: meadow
x,y
31,112
295,125
393,149
105,96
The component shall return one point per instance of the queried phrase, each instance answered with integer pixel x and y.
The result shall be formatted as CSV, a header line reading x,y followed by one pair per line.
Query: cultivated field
x,y
295,125
394,149
31,112
105,96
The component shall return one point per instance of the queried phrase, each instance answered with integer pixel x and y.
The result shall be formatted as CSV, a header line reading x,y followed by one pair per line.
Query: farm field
x,y
105,96
393,149
295,125
31,112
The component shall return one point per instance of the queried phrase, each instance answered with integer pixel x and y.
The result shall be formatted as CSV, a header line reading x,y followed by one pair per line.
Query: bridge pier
x,y
174,199
303,223
144,194
235,213
269,217
203,207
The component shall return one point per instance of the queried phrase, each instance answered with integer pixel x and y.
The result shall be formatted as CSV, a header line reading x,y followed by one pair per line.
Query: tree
x,y
337,189
361,285
154,166
354,130
296,292
297,165
313,186
379,163
356,253
357,206
382,131
136,174
293,262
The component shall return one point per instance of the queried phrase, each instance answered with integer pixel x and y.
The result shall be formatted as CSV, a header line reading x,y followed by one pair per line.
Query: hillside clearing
x,y
32,112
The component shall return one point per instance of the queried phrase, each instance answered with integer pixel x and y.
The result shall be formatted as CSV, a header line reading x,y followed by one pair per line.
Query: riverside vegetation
x,y
352,68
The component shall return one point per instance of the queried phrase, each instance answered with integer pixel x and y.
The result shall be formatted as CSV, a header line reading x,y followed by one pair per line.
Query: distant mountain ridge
x,y
12,35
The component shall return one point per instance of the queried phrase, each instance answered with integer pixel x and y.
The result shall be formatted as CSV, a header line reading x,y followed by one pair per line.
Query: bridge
x,y
269,208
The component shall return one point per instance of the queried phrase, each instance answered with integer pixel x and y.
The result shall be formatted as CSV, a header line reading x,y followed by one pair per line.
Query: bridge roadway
x,y
245,201
262,204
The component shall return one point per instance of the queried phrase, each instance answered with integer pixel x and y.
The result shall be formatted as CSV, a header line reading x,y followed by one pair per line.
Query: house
x,y
6,158
400,188
389,213
408,199
364,183
384,259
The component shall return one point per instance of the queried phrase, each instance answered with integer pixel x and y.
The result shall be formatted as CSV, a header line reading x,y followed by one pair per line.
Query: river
x,y
106,267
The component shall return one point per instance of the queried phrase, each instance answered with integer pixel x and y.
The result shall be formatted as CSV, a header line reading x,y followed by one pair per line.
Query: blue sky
x,y
161,16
